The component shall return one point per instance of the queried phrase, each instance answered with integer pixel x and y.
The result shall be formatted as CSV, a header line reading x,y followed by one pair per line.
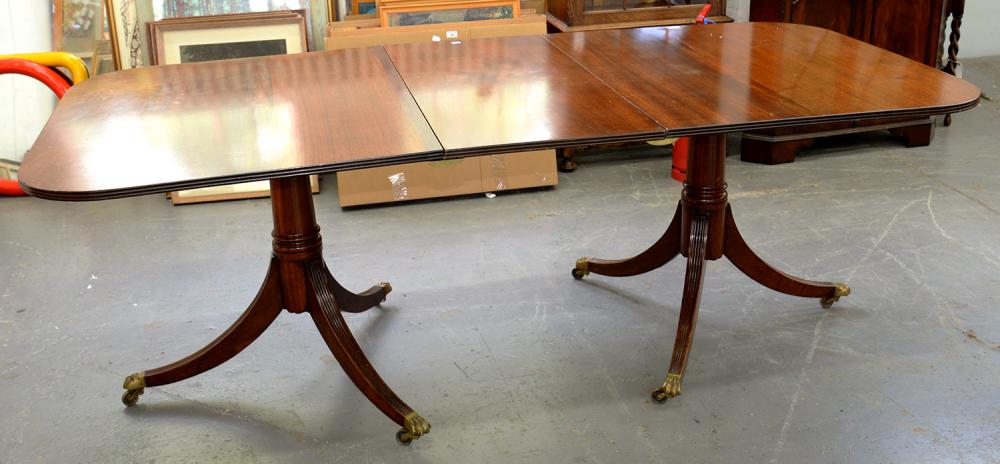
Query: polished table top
x,y
698,80
166,128
516,93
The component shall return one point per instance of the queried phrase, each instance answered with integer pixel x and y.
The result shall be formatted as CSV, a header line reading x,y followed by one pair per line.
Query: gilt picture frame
x,y
414,13
124,29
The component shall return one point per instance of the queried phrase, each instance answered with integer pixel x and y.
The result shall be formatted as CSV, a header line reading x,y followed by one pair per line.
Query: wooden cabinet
x,y
579,15
912,28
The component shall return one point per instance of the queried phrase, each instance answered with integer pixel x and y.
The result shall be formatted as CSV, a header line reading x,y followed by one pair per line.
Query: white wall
x,y
739,10
980,30
25,104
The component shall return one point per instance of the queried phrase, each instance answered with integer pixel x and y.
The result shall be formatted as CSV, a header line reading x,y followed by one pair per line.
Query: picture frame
x,y
407,13
206,38
124,29
257,189
79,27
8,169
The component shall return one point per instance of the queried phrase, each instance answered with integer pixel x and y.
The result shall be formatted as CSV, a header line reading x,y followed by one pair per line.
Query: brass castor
x,y
564,160
134,386
404,438
671,387
839,291
413,427
387,288
130,397
581,269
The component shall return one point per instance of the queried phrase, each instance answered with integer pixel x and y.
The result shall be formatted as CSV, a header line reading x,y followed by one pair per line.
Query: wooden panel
x,y
911,28
729,77
576,13
515,93
769,10
834,15
173,127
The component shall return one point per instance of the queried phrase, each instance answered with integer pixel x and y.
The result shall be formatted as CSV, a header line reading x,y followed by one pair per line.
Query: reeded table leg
x,y
298,280
703,229
326,313
689,310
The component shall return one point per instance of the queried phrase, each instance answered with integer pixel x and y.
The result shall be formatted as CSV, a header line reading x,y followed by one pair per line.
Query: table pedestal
x,y
298,281
703,228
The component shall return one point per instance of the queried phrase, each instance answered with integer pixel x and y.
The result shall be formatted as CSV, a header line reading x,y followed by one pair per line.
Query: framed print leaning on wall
x,y
207,38
126,40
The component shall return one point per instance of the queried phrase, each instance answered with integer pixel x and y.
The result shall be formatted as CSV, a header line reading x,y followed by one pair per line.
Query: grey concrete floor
x,y
488,336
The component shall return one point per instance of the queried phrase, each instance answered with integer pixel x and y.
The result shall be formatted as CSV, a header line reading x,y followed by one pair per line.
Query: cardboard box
x,y
435,179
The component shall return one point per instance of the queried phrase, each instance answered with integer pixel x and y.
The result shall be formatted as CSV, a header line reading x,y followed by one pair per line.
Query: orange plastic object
x,y
700,19
41,73
76,67
10,188
44,75
680,160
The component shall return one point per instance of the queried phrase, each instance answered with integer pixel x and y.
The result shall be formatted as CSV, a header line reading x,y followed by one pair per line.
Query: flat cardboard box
x,y
435,179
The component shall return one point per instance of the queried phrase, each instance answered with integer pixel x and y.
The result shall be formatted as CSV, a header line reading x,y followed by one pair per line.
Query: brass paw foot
x,y
387,288
582,268
839,291
134,386
670,388
413,427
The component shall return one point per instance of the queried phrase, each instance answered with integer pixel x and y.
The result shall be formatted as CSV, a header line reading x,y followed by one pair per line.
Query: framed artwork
x,y
208,38
80,27
413,13
123,27
124,23
258,189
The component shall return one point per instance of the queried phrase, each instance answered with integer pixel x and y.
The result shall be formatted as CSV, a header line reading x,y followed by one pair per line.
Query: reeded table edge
x,y
322,169
808,120
544,145
484,151
226,180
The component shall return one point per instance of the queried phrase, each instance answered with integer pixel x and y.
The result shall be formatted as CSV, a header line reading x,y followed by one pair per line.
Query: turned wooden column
x,y
296,237
705,193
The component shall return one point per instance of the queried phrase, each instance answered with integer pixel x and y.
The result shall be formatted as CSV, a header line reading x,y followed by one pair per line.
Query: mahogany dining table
x,y
283,118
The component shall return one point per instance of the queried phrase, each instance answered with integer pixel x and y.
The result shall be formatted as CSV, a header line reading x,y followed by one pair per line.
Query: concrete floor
x,y
488,336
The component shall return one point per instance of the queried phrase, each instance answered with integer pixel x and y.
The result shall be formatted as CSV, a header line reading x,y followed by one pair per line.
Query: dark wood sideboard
x,y
588,15
912,28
